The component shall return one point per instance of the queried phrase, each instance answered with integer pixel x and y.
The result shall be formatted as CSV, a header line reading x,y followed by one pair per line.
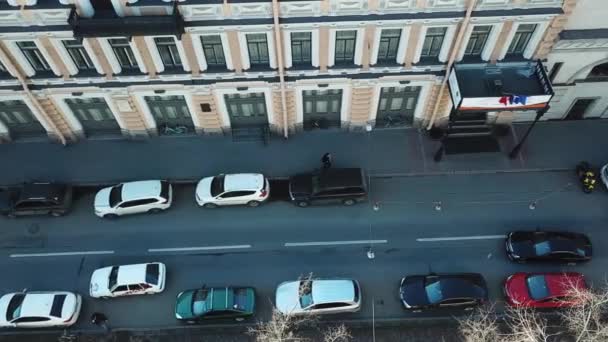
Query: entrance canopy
x,y
504,86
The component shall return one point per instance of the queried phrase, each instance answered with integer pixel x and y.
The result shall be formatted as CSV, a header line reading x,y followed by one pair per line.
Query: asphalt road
x,y
264,246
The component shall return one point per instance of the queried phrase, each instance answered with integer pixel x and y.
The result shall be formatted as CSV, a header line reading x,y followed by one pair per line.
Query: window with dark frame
x,y
79,55
477,40
301,48
554,70
214,51
345,47
257,46
389,44
168,52
124,53
34,56
433,41
521,39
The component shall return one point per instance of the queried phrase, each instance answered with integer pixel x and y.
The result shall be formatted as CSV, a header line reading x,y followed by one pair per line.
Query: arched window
x,y
600,70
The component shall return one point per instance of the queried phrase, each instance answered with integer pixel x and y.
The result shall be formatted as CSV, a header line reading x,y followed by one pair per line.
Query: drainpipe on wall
x,y
457,47
10,66
278,44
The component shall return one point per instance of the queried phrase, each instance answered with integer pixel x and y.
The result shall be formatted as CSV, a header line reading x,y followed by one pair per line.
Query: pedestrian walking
x,y
326,160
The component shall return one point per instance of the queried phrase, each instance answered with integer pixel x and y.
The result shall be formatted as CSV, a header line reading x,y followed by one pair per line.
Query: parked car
x,y
318,296
543,290
234,189
150,196
568,247
214,303
128,280
604,175
39,309
346,186
36,199
433,291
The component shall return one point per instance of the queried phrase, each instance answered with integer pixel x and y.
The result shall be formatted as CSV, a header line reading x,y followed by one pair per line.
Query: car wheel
x,y
348,202
210,205
155,210
253,204
56,213
110,216
302,204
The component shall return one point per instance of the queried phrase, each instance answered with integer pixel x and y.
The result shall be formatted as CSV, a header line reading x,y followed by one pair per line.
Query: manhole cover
x,y
33,228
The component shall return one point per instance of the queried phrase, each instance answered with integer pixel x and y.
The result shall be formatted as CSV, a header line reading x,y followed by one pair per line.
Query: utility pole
x,y
519,145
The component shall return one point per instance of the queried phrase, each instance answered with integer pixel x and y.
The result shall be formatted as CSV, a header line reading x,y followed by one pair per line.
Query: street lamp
x,y
519,145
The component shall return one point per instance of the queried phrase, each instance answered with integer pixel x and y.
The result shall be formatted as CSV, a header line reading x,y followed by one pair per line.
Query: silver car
x,y
318,296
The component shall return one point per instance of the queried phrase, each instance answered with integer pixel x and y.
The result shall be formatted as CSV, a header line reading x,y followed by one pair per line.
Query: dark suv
x,y
36,199
346,186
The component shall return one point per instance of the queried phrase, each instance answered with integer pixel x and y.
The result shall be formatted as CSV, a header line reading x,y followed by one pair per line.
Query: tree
x,y
480,326
587,321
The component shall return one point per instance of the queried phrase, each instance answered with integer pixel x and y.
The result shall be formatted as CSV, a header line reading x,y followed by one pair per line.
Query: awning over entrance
x,y
504,86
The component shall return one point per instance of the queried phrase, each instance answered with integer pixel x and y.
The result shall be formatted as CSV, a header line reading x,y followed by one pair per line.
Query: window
x,y
168,52
477,40
31,319
305,292
121,288
19,119
217,185
301,48
152,273
537,286
345,47
598,71
3,68
14,307
214,52
113,277
199,302
433,289
57,306
124,53
554,70
521,38
170,111
115,195
389,43
433,41
135,287
79,55
257,46
94,115
34,56
136,203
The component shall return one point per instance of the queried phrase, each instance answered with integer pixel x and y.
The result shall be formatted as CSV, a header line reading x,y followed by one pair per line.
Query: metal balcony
x,y
108,24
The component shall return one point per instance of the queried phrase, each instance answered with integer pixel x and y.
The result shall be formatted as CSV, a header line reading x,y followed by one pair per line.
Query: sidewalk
x,y
551,145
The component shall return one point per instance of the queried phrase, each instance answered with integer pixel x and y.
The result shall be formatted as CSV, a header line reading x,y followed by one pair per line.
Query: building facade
x,y
135,69
578,64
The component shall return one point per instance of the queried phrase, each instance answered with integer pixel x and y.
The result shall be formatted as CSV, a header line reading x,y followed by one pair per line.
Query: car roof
x,y
41,190
140,189
331,178
131,274
331,291
470,285
40,303
243,181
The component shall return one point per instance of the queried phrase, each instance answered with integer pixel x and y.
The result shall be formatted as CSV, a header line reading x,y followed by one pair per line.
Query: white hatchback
x,y
41,309
318,296
128,280
133,197
234,189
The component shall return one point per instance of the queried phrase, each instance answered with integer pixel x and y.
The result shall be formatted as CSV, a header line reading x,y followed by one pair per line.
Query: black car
x,y
346,186
455,290
36,199
567,247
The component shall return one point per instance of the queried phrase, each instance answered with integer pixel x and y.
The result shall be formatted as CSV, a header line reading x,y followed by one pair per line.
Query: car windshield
x,y
433,290
14,307
537,286
115,195
305,293
152,273
113,277
199,302
542,248
217,186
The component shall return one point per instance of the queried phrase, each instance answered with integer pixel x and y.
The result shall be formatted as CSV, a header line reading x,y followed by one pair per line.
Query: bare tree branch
x,y
280,328
480,326
587,320
525,325
338,333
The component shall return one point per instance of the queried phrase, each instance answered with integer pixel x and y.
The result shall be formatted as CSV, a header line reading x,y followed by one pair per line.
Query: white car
x,y
133,197
128,280
318,296
39,309
234,189
604,175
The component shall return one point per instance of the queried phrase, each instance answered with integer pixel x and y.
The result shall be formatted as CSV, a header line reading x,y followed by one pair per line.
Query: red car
x,y
542,290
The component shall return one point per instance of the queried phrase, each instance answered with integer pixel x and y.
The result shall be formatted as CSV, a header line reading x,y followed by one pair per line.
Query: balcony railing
x,y
108,24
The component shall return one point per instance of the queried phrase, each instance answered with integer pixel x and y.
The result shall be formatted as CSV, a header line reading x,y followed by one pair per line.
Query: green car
x,y
215,302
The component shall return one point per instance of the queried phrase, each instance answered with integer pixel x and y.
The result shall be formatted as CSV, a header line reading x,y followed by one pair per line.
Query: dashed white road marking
x,y
332,243
192,249
32,255
461,238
